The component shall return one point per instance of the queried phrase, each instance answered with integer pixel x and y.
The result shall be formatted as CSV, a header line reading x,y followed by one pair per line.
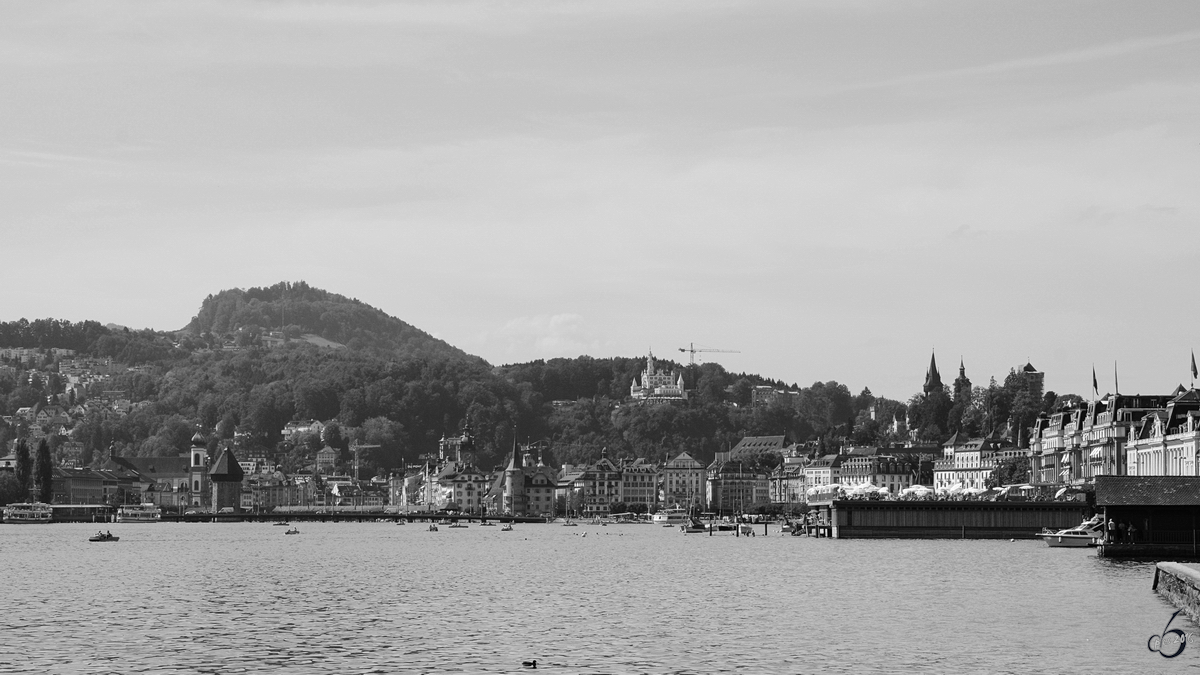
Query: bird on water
x,y
530,664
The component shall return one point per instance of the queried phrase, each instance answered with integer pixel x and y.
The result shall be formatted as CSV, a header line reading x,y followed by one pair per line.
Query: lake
x,y
385,598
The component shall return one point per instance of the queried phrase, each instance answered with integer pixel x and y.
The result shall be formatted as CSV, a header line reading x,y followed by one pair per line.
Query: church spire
x,y
933,379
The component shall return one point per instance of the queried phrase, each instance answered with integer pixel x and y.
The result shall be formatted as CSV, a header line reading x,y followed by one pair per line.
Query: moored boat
x,y
139,513
28,513
1087,533
670,517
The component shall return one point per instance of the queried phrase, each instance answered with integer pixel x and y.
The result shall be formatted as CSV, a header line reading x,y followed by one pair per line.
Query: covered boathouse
x,y
870,519
1154,516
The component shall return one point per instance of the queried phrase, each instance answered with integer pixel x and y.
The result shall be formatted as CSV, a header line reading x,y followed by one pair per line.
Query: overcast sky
x,y
834,189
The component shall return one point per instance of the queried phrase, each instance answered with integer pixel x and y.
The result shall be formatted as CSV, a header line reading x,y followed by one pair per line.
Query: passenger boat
x,y
281,524
27,513
139,513
1087,533
104,536
670,517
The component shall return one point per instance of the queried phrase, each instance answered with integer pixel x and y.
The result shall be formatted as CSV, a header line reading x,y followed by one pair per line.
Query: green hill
x,y
298,309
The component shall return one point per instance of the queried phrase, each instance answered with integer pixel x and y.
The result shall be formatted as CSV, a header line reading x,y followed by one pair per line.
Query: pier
x,y
1180,584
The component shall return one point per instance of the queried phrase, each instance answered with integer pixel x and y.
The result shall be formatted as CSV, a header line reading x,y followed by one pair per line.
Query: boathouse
x,y
1160,515
880,519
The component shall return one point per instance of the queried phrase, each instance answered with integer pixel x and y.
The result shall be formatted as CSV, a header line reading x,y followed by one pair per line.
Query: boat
x,y
281,523
1088,533
457,524
28,513
433,527
507,527
139,513
693,526
670,517
104,536
487,524
294,530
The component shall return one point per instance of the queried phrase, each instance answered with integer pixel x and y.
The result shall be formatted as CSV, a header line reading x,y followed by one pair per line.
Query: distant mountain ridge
x,y
297,309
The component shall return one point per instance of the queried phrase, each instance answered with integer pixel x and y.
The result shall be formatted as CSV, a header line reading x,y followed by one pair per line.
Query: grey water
x,y
385,598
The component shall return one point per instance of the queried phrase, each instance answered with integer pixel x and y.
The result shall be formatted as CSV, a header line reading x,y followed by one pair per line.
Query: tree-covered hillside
x,y
297,308
396,387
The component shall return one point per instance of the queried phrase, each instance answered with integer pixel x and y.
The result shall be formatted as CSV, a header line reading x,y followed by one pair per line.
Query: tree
x,y
10,489
1011,471
44,473
24,468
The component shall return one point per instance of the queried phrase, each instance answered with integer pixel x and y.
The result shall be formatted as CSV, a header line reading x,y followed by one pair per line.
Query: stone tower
x,y
226,478
516,502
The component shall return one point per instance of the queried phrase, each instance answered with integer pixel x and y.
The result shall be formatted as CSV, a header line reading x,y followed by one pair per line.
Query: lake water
x,y
382,598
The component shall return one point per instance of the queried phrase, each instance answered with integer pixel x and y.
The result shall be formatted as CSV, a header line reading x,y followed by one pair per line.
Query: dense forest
x,y
399,388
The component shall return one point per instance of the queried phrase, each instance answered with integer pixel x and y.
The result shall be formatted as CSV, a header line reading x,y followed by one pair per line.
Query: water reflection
x,y
377,598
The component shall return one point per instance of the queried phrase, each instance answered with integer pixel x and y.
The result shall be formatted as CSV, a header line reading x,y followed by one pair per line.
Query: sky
x,y
833,190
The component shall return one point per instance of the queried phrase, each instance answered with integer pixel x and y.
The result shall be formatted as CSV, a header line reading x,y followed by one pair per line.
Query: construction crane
x,y
692,349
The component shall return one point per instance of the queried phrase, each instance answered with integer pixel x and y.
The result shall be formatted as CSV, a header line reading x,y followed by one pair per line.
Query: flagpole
x,y
1116,382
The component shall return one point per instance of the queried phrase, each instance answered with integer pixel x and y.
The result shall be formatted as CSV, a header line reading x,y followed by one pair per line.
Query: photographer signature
x,y
1171,643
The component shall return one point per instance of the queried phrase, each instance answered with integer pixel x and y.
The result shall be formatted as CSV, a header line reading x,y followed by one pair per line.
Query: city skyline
x,y
834,190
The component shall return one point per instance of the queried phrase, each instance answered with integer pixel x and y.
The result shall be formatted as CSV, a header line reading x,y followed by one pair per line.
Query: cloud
x,y
540,336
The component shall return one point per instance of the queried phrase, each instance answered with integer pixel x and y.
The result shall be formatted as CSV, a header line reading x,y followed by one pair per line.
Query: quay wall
x,y
1179,584
867,519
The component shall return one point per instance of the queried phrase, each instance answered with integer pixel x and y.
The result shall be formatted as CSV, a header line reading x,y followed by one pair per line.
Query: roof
x,y
226,469
1147,491
155,465
757,444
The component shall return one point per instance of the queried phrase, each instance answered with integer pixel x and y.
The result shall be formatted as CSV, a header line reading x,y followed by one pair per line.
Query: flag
x,y
1194,364
1095,384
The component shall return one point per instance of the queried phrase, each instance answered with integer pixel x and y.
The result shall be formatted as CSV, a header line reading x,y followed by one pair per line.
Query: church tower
x,y
933,379
516,502
198,469
962,385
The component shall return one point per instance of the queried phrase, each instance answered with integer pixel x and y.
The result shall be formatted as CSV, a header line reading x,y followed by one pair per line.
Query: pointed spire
x,y
933,379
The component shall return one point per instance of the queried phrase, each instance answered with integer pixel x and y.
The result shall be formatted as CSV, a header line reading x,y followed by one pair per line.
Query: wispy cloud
x,y
1089,54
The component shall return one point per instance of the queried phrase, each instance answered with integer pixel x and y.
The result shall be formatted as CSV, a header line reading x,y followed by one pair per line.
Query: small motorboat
x,y
294,530
487,524
507,527
104,536
433,527
458,525
1087,533
281,523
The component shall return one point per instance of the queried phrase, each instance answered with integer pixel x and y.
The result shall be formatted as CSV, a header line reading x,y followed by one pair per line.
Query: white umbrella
x,y
882,489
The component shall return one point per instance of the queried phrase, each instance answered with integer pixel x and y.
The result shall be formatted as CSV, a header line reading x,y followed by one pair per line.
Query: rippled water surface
x,y
382,598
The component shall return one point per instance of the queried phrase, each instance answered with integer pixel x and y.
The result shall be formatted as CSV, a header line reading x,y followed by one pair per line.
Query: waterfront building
x,y
639,484
825,470
658,386
735,486
588,491
879,467
1165,441
788,483
968,462
683,482
524,488
1075,443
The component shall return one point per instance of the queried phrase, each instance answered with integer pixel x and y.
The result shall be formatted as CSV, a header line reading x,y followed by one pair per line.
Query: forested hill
x,y
300,309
